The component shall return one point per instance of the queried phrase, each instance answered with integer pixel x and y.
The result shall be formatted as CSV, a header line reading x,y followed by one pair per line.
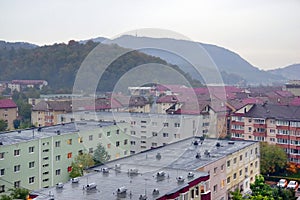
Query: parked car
x,y
293,185
282,183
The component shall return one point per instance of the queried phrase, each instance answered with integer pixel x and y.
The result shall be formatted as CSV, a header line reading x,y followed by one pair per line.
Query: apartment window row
x,y
237,127
237,118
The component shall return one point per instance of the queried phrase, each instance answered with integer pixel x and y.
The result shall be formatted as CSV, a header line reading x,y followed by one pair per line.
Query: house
x,y
45,113
18,85
8,112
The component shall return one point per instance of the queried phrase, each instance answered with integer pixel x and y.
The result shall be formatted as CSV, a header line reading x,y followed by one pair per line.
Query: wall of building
x,y
9,115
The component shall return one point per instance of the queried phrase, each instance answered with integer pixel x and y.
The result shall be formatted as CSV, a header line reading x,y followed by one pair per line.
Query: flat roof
x,y
177,159
14,137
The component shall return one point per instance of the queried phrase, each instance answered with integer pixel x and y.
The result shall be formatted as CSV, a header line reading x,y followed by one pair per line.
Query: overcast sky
x,y
264,32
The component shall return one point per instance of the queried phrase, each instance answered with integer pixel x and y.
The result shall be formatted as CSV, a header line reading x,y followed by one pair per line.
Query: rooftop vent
x,y
1,143
231,142
207,153
121,190
158,156
59,185
160,174
58,132
180,179
201,138
74,180
19,131
133,171
117,166
91,186
195,142
105,170
155,191
190,175
218,144
198,156
142,197
39,129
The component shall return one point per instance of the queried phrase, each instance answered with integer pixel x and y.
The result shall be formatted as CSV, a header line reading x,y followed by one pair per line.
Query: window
x,y
132,142
46,158
241,172
17,152
31,164
57,172
108,134
90,137
57,143
166,124
255,164
31,180
154,134
117,131
46,150
69,169
154,144
1,155
108,146
17,184
125,142
246,169
91,150
234,176
241,157
228,163
154,123
228,179
80,140
132,132
69,155
45,173
222,167
215,188
17,168
31,149
177,125
2,188
2,172
249,129
117,143
100,135
165,135
222,183
215,170
234,161
69,141
45,165
57,158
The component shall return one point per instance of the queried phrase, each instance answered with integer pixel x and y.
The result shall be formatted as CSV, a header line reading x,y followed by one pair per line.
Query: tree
x,y
19,193
5,197
236,195
3,125
259,188
101,155
81,162
272,158
16,123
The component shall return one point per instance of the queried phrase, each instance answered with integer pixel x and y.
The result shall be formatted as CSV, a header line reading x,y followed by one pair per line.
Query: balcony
x,y
260,125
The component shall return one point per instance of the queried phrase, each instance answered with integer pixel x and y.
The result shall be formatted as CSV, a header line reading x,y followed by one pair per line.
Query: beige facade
x,y
9,115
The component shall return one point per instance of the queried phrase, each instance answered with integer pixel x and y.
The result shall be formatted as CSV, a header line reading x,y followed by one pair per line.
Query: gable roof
x,y
7,103
53,105
272,111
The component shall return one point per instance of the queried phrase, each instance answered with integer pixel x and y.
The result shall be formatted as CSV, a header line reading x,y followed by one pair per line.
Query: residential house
x,y
8,112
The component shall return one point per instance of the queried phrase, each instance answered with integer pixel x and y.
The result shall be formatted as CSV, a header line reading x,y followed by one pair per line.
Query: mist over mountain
x,y
291,72
233,68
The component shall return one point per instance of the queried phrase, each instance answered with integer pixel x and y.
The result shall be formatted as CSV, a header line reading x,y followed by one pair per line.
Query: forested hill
x,y
59,63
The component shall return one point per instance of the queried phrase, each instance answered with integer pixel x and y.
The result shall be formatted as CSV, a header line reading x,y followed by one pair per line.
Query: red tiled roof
x,y
7,103
28,82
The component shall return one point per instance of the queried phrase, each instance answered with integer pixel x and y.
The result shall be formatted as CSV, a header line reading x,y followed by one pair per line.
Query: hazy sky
x,y
264,32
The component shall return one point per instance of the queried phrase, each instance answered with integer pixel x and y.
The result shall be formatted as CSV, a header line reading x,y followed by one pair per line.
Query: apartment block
x,y
193,168
275,124
152,130
42,157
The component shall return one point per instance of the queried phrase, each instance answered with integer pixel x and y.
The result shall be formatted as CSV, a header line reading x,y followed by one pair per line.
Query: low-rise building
x,y
8,112
18,85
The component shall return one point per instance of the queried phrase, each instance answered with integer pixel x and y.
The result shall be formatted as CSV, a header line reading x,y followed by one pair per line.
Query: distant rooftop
x,y
175,160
